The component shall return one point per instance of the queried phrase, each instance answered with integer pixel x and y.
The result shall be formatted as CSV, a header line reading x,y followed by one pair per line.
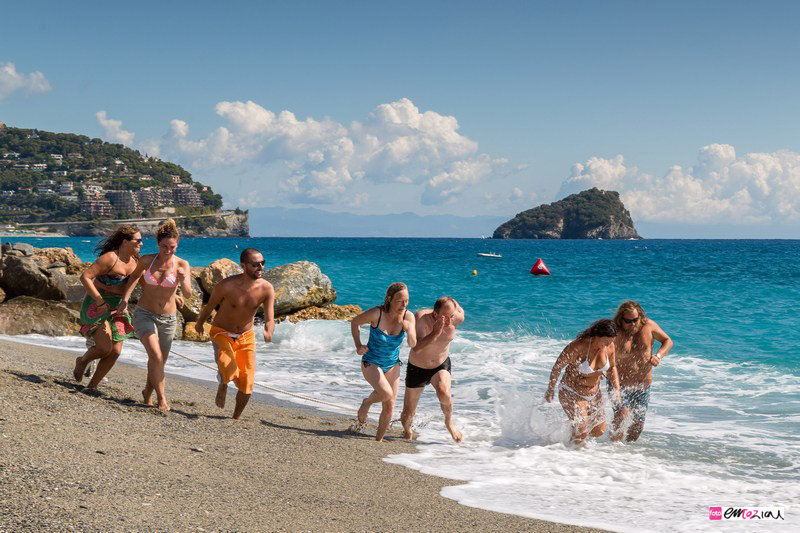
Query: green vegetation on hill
x,y
589,214
83,160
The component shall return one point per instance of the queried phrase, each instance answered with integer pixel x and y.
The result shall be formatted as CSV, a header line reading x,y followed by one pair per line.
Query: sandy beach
x,y
71,461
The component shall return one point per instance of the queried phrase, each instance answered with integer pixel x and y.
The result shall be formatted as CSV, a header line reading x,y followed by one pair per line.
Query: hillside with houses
x,y
62,177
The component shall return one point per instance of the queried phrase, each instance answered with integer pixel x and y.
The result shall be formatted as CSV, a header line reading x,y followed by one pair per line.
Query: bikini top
x,y
585,368
111,278
168,281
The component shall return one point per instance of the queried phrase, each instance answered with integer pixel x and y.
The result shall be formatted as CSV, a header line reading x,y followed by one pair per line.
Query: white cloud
x,y
756,188
12,81
112,130
326,161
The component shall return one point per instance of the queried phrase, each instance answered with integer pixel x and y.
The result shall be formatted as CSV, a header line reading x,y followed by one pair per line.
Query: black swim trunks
x,y
419,377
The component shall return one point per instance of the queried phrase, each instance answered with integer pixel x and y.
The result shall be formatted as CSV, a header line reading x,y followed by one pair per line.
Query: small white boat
x,y
481,254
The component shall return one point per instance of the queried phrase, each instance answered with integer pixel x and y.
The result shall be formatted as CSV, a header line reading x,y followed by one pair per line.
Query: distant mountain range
x,y
312,222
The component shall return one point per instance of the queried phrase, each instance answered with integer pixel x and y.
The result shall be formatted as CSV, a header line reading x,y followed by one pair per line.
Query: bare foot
x,y
163,406
407,433
222,392
147,397
77,372
454,432
363,411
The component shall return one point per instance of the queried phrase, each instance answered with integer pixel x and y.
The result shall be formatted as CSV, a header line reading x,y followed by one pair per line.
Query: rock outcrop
x,y
330,312
24,315
299,285
592,214
22,276
216,272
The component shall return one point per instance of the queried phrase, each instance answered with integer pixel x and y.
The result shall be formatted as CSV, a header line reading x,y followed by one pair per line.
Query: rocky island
x,y
591,214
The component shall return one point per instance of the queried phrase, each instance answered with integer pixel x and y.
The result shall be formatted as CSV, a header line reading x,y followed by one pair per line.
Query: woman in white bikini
x,y
587,359
154,320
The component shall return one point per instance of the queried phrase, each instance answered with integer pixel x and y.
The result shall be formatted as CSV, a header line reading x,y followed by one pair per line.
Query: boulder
x,y
192,306
75,289
25,315
15,253
25,248
21,276
47,257
216,272
330,312
189,334
299,285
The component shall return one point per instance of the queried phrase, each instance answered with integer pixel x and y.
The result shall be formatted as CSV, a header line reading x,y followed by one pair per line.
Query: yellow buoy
x,y
474,272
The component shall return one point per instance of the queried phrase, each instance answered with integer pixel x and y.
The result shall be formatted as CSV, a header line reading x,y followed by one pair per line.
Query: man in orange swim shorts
x,y
238,298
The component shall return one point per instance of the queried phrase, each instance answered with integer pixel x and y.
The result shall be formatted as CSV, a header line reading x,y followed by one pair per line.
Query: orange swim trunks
x,y
236,357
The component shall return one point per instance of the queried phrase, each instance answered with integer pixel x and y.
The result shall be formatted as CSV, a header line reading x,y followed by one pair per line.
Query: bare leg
x,y
635,430
222,393
104,365
576,410
441,383
102,346
619,420
383,392
241,403
155,371
411,398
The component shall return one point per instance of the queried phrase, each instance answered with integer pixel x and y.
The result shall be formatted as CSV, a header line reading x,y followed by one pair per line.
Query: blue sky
x,y
688,109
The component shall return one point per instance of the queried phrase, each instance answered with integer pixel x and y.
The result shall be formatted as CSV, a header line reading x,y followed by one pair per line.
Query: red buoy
x,y
539,268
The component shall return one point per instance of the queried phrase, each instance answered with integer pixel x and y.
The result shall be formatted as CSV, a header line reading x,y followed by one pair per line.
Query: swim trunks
x,y
419,377
236,357
637,399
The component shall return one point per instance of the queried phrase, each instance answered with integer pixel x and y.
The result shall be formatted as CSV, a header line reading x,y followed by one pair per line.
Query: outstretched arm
x,y
367,316
410,325
566,356
663,338
133,280
269,314
217,295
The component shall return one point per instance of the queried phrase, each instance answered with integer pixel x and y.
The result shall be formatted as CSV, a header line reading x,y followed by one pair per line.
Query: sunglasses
x,y
137,241
256,264
630,320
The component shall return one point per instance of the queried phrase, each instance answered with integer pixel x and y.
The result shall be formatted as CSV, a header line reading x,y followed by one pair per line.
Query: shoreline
x,y
75,460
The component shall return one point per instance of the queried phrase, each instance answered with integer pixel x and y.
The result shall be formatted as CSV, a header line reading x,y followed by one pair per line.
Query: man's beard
x,y
253,275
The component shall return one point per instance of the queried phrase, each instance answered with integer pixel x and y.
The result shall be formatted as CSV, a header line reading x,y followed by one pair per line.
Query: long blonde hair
x,y
167,230
393,289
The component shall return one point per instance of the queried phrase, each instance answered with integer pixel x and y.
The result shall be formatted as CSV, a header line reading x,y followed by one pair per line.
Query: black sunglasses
x,y
256,264
137,241
630,320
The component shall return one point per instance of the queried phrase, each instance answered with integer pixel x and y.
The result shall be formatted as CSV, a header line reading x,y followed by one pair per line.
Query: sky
x,y
688,109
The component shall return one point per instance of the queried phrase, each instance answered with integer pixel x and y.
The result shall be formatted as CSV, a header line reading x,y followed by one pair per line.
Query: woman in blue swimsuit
x,y
389,324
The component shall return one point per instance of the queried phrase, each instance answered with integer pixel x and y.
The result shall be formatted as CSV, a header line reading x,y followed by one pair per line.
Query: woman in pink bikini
x,y
154,320
587,359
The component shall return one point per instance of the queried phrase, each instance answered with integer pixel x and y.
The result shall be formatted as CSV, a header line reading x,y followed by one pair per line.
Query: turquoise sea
x,y
723,427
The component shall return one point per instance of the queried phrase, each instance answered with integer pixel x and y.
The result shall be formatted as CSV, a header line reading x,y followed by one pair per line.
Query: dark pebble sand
x,y
71,461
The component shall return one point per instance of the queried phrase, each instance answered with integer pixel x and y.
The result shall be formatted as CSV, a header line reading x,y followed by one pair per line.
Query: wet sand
x,y
73,461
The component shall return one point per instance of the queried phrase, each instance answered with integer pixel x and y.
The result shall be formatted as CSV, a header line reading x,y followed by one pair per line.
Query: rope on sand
x,y
273,389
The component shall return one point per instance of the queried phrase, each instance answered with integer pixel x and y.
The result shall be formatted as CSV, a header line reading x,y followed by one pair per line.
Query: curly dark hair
x,y
604,327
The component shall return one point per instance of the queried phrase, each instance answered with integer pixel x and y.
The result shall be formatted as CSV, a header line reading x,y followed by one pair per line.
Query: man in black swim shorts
x,y
429,362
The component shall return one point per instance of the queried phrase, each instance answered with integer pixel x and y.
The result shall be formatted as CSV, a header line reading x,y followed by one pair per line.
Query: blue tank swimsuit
x,y
382,349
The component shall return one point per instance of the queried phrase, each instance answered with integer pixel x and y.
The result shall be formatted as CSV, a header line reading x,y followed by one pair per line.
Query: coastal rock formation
x,y
329,312
22,276
189,334
25,315
592,214
299,285
192,306
47,257
216,272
